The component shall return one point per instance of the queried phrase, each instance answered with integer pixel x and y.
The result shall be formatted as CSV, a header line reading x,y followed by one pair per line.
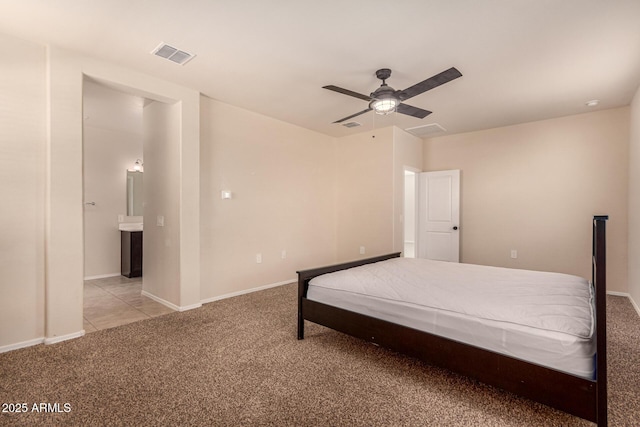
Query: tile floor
x,y
116,301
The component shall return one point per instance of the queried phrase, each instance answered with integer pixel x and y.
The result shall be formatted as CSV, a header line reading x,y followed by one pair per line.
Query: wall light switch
x,y
120,218
362,251
283,255
259,258
225,194
514,253
160,221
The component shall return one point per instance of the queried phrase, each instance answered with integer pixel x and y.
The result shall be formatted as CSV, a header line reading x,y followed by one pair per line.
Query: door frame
x,y
416,198
64,217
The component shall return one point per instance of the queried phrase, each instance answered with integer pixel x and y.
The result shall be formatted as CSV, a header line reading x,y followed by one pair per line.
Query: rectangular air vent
x,y
426,130
172,54
351,124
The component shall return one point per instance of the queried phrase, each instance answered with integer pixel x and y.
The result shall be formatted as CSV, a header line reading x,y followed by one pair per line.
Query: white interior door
x,y
439,216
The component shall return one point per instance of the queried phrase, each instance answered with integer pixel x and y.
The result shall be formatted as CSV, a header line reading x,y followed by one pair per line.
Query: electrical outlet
x,y
259,258
362,251
514,253
283,255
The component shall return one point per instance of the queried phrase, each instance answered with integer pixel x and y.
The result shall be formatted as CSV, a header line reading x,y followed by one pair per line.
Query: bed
x,y
570,376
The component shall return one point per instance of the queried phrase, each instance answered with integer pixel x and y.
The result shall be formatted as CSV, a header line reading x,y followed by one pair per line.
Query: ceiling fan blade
x,y
348,92
432,82
412,111
352,116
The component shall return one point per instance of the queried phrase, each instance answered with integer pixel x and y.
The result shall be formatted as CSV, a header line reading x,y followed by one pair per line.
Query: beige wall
x,y
364,194
281,180
315,197
534,187
64,268
161,258
634,202
41,90
112,141
22,191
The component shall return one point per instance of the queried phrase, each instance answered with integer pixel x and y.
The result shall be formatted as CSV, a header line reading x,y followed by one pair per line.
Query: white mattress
x,y
544,318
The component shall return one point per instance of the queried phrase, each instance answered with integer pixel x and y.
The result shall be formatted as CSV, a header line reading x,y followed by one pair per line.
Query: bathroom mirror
x,y
134,193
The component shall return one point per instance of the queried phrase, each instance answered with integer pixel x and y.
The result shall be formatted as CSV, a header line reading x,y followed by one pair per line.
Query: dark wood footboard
x,y
575,395
305,276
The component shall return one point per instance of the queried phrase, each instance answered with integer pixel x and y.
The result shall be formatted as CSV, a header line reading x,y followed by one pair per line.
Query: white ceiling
x,y
521,60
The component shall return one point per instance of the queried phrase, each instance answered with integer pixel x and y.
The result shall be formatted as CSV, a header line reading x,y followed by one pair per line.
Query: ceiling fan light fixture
x,y
386,100
384,105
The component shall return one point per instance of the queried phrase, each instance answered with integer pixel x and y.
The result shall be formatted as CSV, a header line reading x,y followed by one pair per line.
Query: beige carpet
x,y
237,362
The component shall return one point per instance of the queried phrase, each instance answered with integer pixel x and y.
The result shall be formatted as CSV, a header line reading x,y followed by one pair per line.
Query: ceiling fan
x,y
386,99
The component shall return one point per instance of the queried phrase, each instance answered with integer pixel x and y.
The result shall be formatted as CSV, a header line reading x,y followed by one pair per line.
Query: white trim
x,y
22,344
625,294
618,294
102,276
55,340
416,206
190,307
633,303
247,291
170,304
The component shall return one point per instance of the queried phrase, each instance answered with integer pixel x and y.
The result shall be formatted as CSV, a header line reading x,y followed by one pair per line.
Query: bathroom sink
x,y
130,226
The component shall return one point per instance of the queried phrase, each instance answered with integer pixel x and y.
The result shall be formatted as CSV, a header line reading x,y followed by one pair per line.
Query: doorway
x,y
409,218
112,143
64,213
113,135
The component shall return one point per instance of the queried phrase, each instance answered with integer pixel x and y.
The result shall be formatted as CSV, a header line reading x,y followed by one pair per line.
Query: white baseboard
x,y
190,307
212,299
633,303
22,344
103,276
247,291
618,294
170,304
625,294
54,340
36,341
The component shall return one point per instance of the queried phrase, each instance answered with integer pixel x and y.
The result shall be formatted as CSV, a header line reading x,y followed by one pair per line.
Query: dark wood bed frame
x,y
569,393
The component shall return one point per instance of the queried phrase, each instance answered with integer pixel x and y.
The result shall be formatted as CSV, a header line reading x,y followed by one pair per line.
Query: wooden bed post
x,y
599,277
302,293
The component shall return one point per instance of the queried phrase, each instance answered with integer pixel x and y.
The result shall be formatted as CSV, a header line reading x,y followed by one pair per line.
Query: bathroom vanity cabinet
x,y
131,253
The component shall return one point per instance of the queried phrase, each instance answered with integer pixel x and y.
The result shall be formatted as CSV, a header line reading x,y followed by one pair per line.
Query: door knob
x,y
455,227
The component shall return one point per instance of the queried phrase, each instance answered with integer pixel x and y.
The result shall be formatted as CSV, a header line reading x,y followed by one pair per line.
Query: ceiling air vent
x,y
352,124
172,54
426,130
